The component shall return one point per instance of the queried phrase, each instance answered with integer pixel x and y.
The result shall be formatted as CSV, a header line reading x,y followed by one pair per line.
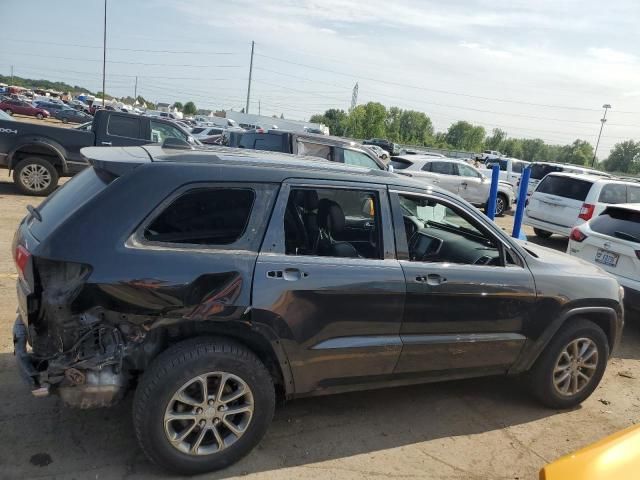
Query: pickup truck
x,y
334,149
39,154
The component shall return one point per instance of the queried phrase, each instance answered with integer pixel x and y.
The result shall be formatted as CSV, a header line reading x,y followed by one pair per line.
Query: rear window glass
x,y
502,163
197,130
567,187
539,171
613,193
618,223
400,164
122,126
262,141
633,194
64,202
212,216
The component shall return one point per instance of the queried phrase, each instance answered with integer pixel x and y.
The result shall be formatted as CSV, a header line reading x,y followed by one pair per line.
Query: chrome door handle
x,y
107,143
435,279
289,274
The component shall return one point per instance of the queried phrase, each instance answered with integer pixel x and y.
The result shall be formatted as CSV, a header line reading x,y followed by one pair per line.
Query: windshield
x,y
432,214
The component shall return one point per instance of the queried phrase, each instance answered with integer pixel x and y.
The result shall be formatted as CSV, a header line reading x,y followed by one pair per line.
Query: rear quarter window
x,y
121,126
203,216
567,187
613,193
539,171
618,223
400,164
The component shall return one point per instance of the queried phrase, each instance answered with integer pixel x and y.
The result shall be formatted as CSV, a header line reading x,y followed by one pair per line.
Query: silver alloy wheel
x,y
35,177
208,413
499,205
575,367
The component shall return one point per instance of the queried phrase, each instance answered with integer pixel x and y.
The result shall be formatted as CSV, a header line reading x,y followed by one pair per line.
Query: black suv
x,y
217,281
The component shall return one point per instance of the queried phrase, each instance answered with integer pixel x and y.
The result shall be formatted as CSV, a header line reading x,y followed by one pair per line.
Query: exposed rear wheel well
x,y
236,331
40,151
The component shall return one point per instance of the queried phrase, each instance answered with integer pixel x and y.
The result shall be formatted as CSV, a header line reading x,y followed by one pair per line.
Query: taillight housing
x,y
586,211
21,257
577,235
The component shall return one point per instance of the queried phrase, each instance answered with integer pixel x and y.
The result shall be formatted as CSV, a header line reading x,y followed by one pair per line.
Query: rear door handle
x,y
289,274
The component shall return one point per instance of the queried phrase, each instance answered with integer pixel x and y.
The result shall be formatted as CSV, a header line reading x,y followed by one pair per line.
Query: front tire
x,y
182,404
65,120
542,233
8,111
39,116
571,366
35,176
501,204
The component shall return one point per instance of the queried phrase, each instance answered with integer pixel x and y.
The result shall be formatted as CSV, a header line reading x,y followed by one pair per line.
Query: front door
x,y
472,188
468,295
328,283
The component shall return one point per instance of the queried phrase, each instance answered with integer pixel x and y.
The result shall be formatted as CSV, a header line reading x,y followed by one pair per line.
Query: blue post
x,y
493,193
522,199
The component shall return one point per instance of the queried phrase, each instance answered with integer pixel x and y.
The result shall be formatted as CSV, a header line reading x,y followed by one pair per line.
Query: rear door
x,y
445,175
338,311
559,199
123,130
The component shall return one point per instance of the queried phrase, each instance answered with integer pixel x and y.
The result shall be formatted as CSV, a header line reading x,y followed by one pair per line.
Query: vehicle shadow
x,y
306,431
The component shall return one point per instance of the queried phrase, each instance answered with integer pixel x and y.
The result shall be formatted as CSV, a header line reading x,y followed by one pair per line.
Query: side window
x,y
437,232
443,168
467,171
333,223
359,159
516,167
613,193
633,194
121,126
314,149
160,131
205,216
426,167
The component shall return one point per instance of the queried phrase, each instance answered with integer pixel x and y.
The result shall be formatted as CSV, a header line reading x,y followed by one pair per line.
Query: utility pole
x,y
11,82
603,120
104,53
135,91
246,108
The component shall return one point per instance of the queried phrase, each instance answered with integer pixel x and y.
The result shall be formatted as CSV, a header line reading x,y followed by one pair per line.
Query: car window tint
x,y
613,193
567,187
633,194
359,159
401,163
516,167
314,149
444,168
467,171
540,170
333,223
211,216
161,131
437,232
618,223
122,126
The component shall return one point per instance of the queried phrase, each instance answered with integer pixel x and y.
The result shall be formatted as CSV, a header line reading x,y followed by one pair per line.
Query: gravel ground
x,y
477,429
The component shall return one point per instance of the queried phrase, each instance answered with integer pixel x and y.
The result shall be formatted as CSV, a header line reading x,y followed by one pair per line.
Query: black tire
x,y
39,116
172,370
542,233
540,377
501,204
8,111
35,162
65,120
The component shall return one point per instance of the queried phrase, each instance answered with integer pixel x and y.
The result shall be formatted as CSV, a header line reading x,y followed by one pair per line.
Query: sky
x,y
536,69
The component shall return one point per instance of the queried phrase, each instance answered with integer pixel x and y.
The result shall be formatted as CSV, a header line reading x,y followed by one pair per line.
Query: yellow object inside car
x,y
616,457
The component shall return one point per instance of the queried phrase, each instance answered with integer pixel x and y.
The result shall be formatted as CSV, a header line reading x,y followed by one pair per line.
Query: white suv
x,y
510,169
612,241
539,170
456,176
563,200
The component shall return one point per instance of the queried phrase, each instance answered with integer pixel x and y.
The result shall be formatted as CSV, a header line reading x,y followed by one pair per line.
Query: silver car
x,y
456,176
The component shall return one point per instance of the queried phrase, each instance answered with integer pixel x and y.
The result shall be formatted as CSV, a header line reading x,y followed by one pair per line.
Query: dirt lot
x,y
479,429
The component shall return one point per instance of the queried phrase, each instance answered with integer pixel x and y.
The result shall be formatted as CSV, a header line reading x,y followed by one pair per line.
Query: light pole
x,y
606,107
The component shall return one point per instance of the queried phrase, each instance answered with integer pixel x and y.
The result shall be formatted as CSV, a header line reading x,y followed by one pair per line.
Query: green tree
x,y
415,128
495,140
512,147
333,118
579,153
532,149
189,108
178,106
392,124
465,136
625,158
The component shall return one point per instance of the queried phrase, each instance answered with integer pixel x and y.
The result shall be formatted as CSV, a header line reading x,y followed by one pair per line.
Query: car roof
x,y
425,157
595,178
635,207
277,166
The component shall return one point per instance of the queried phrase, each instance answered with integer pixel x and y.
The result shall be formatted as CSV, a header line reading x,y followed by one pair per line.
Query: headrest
x,y
307,199
330,216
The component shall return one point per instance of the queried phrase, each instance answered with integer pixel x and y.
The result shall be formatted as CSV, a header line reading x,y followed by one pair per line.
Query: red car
x,y
23,108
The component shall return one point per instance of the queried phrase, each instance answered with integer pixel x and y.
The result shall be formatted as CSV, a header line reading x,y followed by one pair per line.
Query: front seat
x,y
331,221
